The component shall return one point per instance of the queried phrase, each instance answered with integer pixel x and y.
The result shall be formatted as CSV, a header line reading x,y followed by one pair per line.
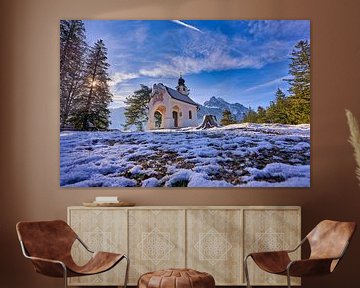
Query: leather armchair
x,y
48,245
328,242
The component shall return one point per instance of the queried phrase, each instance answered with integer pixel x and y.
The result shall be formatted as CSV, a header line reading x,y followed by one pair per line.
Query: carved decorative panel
x,y
270,230
214,241
101,230
156,240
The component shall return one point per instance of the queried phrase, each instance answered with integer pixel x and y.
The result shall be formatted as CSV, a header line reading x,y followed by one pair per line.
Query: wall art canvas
x,y
185,103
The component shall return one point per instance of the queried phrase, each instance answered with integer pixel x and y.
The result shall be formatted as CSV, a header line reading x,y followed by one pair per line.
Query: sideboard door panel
x,y
214,244
101,230
156,240
270,230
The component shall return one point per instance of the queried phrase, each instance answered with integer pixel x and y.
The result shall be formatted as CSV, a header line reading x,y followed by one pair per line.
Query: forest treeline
x,y
293,108
84,90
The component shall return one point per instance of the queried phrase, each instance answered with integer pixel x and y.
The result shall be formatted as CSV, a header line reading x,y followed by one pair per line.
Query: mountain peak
x,y
216,106
213,102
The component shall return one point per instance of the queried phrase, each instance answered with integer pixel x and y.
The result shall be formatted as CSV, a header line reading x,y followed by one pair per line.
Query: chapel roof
x,y
178,96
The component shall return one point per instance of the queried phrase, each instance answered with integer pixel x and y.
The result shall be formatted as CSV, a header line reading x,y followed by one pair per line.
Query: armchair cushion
x,y
310,267
272,262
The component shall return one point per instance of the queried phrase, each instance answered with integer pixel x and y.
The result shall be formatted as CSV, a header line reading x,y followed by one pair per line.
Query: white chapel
x,y
170,108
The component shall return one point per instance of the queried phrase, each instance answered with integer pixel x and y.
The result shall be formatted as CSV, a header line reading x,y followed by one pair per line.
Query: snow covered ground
x,y
242,155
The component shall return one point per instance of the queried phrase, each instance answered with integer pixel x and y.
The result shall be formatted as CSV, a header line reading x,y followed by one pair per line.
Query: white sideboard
x,y
212,239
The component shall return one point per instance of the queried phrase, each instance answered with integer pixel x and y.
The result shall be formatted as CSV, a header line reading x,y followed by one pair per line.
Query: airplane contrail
x,y
186,25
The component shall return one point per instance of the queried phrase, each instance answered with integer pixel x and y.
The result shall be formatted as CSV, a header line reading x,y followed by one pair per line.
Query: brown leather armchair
x,y
328,242
48,245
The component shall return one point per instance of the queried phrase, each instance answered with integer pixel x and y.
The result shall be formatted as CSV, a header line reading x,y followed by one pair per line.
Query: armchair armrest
x,y
277,253
83,244
298,246
49,267
314,266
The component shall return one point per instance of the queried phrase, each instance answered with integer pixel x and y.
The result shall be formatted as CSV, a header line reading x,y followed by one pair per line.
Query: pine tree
x,y
299,99
73,50
92,105
137,107
261,115
250,117
227,118
278,111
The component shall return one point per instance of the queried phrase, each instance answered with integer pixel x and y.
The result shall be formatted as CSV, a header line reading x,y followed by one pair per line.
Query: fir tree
x,y
73,50
299,99
250,117
137,107
277,112
227,118
92,105
261,115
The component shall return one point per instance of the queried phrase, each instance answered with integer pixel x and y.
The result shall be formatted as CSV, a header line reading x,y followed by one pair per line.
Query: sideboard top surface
x,y
193,207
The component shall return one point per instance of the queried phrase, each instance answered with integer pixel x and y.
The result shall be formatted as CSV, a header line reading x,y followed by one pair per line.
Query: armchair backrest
x,y
46,239
329,239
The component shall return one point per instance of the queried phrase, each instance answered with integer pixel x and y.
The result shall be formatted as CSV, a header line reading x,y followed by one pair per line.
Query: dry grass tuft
x,y
354,140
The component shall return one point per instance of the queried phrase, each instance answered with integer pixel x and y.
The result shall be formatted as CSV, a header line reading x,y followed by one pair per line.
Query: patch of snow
x,y
209,169
137,169
194,179
197,157
150,182
197,180
293,175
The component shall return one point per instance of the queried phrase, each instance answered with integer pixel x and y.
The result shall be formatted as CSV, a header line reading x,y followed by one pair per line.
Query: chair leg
x,y
127,271
288,278
246,270
65,276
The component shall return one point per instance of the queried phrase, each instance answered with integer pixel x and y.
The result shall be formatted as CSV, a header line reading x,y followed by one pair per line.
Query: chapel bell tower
x,y
182,87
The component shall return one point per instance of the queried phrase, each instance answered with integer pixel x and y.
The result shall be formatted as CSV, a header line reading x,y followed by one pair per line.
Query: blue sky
x,y
239,61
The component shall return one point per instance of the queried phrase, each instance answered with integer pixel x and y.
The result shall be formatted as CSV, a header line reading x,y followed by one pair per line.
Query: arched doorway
x,y
157,119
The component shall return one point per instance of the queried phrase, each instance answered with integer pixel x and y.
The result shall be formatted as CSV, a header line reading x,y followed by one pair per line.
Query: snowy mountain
x,y
216,105
117,118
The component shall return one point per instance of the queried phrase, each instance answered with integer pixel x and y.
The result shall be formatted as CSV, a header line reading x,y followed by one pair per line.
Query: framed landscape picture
x,y
193,103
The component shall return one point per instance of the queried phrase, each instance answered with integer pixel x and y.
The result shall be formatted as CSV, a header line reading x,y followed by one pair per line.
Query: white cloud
x,y
216,61
279,28
199,52
216,52
186,25
161,70
119,77
266,84
140,34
